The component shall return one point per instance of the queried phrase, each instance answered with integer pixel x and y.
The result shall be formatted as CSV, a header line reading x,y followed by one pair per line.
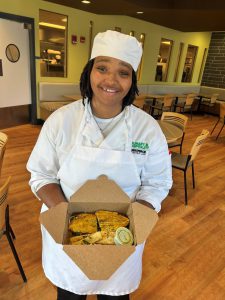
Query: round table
x,y
171,131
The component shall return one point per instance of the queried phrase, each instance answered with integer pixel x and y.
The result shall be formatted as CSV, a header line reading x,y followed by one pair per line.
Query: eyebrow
x,y
108,60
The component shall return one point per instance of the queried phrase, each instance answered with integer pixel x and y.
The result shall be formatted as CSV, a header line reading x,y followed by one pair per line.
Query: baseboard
x,y
14,116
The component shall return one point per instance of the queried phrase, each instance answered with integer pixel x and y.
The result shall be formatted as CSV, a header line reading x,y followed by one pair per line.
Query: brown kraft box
x,y
99,262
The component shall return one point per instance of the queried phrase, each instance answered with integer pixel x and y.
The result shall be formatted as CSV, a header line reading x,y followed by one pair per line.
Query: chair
x,y
3,142
5,227
221,119
186,106
183,162
208,103
161,106
178,120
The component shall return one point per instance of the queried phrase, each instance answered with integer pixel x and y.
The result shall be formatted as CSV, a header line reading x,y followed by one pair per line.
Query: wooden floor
x,y
185,255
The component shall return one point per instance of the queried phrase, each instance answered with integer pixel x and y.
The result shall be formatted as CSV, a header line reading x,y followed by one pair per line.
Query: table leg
x,y
175,103
199,103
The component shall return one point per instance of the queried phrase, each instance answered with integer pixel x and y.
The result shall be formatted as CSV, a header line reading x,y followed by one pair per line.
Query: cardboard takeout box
x,y
99,262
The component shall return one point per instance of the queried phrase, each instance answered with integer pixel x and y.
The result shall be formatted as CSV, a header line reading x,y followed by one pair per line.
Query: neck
x,y
105,112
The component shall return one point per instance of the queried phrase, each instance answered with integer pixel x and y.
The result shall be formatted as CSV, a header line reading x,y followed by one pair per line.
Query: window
x,y
163,60
52,36
189,63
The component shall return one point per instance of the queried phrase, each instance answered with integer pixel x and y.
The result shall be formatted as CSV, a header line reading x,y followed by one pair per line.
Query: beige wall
x,y
78,24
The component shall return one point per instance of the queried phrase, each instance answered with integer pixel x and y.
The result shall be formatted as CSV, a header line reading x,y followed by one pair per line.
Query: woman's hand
x,y
51,194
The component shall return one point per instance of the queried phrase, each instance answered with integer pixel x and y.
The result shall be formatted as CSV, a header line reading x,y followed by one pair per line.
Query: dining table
x,y
171,131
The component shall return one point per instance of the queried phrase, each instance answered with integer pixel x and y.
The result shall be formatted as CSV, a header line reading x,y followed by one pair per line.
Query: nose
x,y
111,78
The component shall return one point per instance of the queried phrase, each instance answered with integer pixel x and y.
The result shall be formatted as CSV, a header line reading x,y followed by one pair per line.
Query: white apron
x,y
85,163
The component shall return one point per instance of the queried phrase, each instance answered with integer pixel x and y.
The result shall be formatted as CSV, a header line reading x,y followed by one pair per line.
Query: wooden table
x,y
171,131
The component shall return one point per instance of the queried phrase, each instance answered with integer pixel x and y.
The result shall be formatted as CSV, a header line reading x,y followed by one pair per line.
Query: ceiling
x,y
183,15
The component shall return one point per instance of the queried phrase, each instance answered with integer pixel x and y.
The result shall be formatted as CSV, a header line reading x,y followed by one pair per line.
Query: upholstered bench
x,y
54,95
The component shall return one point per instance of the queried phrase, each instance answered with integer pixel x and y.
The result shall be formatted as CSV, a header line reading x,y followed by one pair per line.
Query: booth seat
x,y
52,96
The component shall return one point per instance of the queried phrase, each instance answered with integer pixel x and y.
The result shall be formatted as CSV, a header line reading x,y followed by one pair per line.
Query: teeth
x,y
109,90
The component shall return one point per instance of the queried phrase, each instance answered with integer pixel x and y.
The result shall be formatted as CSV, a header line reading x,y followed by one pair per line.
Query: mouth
x,y
110,90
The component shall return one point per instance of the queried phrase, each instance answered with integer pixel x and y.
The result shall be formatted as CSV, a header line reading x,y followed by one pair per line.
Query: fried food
x,y
111,220
85,227
107,238
83,223
93,238
77,240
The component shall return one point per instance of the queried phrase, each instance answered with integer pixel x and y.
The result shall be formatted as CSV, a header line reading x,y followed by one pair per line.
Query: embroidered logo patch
x,y
139,148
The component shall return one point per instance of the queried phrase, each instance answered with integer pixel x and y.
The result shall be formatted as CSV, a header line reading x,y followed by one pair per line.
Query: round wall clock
x,y
12,53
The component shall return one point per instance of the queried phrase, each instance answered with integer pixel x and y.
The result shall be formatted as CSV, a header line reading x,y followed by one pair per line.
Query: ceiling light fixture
x,y
86,1
166,42
52,25
140,12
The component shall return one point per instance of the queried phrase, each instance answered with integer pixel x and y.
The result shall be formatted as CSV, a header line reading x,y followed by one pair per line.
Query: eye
x,y
101,69
124,73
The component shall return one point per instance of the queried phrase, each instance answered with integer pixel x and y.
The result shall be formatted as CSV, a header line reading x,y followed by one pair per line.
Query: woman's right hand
x,y
51,194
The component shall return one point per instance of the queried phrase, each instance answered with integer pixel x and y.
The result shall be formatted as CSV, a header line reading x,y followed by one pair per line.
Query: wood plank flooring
x,y
184,258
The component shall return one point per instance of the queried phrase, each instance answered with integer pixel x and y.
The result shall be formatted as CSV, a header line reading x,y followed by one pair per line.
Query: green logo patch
x,y
140,146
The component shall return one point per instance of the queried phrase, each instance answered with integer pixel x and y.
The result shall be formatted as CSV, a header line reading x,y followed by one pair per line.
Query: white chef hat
x,y
117,45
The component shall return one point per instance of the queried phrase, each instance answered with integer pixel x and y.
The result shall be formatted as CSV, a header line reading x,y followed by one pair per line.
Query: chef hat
x,y
117,45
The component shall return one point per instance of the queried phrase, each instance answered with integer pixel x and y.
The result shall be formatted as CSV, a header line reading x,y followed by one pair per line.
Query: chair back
x,y
214,98
176,119
168,101
198,143
3,201
3,142
222,110
189,100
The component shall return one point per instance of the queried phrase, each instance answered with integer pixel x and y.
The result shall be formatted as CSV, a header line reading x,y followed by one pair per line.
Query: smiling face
x,y
111,80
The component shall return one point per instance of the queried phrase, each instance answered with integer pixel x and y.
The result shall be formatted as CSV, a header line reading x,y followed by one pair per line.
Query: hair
x,y
86,90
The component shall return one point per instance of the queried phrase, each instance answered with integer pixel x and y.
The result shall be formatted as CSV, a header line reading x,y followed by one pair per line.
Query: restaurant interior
x,y
44,46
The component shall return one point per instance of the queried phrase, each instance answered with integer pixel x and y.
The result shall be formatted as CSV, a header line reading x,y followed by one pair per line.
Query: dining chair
x,y
208,103
220,119
5,227
186,106
3,142
183,162
180,121
161,106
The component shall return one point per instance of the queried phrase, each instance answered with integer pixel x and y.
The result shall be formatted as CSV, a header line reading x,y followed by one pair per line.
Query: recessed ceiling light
x,y
64,20
140,12
86,1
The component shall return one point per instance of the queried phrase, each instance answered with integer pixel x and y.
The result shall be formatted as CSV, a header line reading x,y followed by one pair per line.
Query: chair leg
x,y
16,256
193,175
12,233
185,187
220,131
215,126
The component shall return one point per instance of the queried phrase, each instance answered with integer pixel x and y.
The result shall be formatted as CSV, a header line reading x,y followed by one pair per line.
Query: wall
x,y
78,24
214,72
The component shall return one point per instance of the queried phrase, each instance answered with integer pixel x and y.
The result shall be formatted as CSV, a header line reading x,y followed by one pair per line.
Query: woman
x,y
103,134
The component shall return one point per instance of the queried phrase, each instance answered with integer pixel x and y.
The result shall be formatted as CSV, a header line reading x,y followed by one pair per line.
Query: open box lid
x,y
144,219
101,189
95,261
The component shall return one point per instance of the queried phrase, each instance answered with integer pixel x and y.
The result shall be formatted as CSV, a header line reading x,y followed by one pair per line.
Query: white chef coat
x,y
72,149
